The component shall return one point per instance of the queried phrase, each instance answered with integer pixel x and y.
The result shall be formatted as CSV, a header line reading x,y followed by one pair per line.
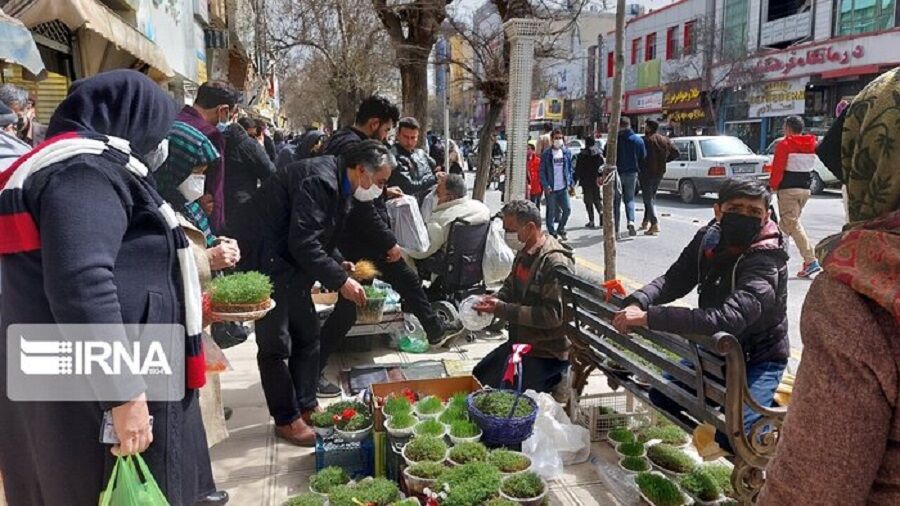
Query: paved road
x,y
644,258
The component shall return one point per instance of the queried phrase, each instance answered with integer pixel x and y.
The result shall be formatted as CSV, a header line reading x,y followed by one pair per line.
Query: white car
x,y
821,177
705,162
575,146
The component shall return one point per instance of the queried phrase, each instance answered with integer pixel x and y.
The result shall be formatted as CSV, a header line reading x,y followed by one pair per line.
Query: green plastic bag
x,y
413,338
132,484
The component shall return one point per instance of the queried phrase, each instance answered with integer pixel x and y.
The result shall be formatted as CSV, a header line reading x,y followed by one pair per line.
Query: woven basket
x,y
240,308
502,431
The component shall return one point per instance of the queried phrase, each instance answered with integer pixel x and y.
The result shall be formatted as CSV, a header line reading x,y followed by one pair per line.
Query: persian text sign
x,y
645,102
682,95
780,98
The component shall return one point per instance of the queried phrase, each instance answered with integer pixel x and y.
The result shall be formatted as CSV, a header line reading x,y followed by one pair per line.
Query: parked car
x,y
705,162
575,146
821,178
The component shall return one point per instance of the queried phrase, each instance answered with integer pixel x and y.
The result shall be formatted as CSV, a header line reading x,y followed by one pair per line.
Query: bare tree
x,y
609,229
307,99
340,42
414,27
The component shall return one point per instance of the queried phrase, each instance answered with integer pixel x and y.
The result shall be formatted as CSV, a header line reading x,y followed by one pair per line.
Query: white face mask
x,y
158,156
512,240
368,194
558,144
192,188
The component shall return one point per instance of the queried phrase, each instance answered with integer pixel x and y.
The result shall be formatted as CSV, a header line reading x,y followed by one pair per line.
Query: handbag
x,y
229,334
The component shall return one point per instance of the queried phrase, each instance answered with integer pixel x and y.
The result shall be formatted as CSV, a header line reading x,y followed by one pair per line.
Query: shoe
x,y
589,224
219,498
653,230
644,226
228,412
448,333
326,389
297,433
563,236
306,416
809,269
631,230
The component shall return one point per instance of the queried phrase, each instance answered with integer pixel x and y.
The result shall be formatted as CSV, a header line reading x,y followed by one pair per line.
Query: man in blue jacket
x,y
630,156
556,179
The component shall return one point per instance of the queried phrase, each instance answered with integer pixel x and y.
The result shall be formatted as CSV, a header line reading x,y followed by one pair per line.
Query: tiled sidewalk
x,y
256,468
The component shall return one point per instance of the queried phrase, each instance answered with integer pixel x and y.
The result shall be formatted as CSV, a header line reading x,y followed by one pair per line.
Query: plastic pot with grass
x,y
422,475
633,449
670,459
374,491
500,502
323,423
620,435
307,499
634,464
401,425
509,461
373,310
429,407
464,453
669,434
352,426
396,404
430,428
243,292
409,501
702,486
472,483
453,414
327,479
425,449
658,490
464,431
525,488
721,473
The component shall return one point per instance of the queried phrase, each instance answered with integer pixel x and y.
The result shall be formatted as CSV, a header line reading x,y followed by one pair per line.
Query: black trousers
x,y
538,374
593,199
405,282
288,356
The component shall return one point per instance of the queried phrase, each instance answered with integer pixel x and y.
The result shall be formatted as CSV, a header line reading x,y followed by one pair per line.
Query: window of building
x,y
610,64
777,9
862,16
635,50
734,30
650,51
671,42
690,40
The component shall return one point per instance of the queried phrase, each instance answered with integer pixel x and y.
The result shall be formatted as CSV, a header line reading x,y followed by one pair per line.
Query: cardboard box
x,y
441,387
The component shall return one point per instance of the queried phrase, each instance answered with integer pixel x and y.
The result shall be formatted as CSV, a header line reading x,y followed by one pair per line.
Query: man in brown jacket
x,y
531,301
660,150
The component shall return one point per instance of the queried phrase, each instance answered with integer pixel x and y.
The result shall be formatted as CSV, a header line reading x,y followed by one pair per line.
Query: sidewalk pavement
x,y
256,468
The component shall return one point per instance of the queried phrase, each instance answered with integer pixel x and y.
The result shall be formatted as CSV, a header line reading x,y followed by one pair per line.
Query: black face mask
x,y
738,231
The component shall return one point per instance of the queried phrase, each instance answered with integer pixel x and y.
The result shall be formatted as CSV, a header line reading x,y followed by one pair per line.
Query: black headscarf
x,y
121,103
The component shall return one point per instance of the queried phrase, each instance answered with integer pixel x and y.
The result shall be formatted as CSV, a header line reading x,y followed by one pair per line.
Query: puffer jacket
x,y
744,296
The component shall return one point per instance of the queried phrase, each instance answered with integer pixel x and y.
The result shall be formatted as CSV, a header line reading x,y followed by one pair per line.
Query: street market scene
x,y
449,252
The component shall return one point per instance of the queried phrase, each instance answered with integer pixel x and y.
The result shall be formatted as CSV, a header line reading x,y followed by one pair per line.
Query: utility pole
x,y
609,171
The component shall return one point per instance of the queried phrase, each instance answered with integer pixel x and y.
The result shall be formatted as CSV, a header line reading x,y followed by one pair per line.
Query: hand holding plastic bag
x,y
216,361
555,442
132,484
407,223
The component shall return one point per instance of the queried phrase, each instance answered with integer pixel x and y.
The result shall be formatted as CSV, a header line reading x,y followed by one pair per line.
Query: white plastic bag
x,y
407,223
428,204
556,442
498,257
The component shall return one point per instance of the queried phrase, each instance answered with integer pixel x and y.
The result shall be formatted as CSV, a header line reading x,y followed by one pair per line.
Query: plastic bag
x,y
498,257
428,204
216,361
413,338
471,319
555,442
407,223
126,487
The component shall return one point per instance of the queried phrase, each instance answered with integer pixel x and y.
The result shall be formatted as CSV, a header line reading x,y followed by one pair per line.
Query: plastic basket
x,y
357,459
601,412
502,431
371,312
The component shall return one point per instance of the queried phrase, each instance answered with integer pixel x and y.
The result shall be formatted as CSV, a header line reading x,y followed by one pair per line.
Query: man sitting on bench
x,y
531,301
739,266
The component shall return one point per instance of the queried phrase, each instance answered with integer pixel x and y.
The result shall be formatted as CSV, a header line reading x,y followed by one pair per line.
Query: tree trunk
x,y
414,88
347,102
609,224
485,148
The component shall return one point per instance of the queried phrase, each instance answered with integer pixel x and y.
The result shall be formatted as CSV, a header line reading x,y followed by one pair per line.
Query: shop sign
x,y
645,102
779,98
547,109
687,116
682,95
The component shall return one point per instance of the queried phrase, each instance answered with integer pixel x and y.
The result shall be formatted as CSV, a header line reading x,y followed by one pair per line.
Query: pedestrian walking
x,y
533,162
631,152
660,150
556,179
840,442
795,157
588,167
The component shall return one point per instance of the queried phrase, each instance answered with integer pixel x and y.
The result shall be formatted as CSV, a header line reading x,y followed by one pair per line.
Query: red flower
x,y
409,394
348,414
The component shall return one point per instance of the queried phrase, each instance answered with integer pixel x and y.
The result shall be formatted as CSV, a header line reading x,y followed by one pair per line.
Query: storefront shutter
x,y
47,93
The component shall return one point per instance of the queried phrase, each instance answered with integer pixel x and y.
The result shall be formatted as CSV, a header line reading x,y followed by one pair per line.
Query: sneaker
x,y
590,226
449,333
631,230
327,389
809,269
644,226
653,230
563,236
228,412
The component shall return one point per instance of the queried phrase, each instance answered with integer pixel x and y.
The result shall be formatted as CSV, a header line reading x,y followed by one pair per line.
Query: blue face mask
x,y
221,126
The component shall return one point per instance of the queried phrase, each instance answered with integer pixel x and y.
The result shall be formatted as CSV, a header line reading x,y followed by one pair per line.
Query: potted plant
x,y
463,431
244,292
338,407
422,475
396,404
452,414
306,499
409,501
429,408
352,425
400,425
505,417
430,428
634,465
472,483
425,449
702,486
669,434
327,479
509,461
633,449
464,453
721,473
371,491
658,490
323,423
459,400
373,310
620,435
500,502
670,459
525,488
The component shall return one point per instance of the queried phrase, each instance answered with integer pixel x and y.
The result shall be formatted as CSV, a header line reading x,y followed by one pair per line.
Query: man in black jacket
x,y
415,174
739,266
303,209
588,166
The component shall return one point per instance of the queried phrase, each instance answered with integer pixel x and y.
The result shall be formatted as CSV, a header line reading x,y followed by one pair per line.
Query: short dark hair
x,y
409,122
652,126
795,123
278,136
556,132
371,154
247,122
734,188
212,94
548,127
524,211
261,124
455,185
589,141
624,122
377,106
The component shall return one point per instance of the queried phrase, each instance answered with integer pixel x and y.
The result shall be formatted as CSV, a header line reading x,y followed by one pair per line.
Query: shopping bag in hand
x,y
407,224
131,484
498,257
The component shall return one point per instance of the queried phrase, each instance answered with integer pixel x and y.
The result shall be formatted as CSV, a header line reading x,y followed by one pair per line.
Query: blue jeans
x,y
763,379
558,201
629,184
536,199
649,187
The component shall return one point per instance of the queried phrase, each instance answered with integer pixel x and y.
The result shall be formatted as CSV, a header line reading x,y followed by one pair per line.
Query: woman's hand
x,y
131,421
224,255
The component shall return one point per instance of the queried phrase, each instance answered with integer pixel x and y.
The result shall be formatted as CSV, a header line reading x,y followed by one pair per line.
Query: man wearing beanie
x,y
11,147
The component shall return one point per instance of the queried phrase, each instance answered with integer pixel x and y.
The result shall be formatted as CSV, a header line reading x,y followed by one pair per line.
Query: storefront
x,y
643,105
684,108
774,101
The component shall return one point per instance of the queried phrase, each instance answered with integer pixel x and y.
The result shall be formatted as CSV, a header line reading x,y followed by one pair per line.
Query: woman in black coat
x,y
86,241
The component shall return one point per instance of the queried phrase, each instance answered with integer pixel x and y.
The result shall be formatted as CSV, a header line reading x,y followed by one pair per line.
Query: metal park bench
x,y
716,376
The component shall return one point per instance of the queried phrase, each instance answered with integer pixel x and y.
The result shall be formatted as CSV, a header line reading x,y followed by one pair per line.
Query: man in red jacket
x,y
795,157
